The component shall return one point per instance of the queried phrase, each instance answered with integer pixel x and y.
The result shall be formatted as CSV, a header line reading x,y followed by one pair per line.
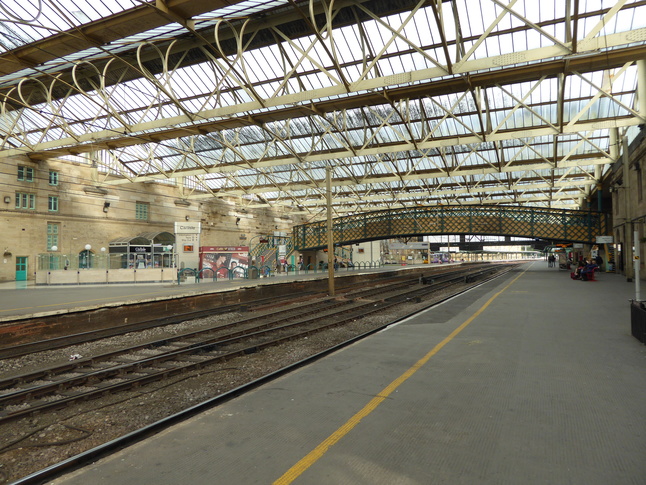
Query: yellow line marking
x,y
313,456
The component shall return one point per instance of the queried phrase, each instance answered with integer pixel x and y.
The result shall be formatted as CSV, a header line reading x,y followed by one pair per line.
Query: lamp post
x,y
86,257
53,259
170,258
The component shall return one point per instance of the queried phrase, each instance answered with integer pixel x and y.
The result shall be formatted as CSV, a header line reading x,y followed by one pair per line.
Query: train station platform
x,y
532,378
24,298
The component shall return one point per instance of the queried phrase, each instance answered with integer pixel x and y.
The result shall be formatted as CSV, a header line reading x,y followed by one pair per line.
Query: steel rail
x,y
105,449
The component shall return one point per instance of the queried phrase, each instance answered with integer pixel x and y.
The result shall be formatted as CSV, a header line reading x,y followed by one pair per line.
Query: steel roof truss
x,y
605,89
600,92
397,34
521,103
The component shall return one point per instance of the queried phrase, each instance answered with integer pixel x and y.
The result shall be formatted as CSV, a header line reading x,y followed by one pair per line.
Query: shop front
x,y
146,250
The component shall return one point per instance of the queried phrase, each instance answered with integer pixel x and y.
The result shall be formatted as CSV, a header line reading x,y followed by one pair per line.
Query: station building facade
x,y
56,207
626,185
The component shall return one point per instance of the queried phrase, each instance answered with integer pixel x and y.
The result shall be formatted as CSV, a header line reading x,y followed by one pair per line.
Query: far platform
x,y
22,298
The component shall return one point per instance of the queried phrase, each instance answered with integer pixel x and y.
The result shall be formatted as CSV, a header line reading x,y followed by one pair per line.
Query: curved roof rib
x,y
410,102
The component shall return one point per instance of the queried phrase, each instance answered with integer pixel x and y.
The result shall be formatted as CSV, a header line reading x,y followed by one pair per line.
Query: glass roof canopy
x,y
520,102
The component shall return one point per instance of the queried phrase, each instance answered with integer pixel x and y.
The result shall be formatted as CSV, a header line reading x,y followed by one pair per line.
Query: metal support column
x,y
330,236
629,244
613,134
597,178
641,86
637,262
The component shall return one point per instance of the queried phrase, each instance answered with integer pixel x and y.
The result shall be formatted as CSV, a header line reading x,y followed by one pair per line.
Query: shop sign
x,y
188,227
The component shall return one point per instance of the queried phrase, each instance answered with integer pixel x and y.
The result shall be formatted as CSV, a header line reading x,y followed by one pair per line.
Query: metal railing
x,y
55,261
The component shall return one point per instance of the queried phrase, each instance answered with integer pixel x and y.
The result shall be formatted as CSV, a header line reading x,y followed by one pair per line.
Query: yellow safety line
x,y
312,457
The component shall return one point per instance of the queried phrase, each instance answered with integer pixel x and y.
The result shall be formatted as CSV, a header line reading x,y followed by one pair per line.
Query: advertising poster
x,y
229,257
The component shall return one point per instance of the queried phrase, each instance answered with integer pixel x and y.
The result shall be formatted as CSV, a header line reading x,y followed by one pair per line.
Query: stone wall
x,y
95,213
627,188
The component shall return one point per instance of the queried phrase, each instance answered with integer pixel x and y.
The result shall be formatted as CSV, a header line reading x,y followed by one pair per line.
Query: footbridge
x,y
551,224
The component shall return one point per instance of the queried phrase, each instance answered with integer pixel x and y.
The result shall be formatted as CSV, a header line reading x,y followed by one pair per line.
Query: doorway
x,y
21,268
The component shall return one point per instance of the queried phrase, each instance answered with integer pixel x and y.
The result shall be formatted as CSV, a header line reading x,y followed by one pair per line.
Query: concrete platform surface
x,y
23,298
531,379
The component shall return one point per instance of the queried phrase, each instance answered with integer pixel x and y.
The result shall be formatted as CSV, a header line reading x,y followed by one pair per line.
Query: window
x,y
53,178
25,201
25,174
52,235
141,211
52,204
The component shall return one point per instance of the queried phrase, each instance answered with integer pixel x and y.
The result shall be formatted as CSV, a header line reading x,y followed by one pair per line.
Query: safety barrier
x,y
266,271
182,273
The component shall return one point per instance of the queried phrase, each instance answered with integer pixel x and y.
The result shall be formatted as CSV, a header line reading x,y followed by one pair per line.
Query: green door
x,y
21,268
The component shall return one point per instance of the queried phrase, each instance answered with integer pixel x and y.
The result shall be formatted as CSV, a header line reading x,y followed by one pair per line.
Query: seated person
x,y
577,272
588,271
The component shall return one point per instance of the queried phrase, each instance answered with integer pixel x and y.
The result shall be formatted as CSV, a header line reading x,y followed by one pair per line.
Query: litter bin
x,y
638,321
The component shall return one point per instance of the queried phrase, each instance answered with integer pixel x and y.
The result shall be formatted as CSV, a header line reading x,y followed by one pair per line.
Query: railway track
x,y
257,306
83,379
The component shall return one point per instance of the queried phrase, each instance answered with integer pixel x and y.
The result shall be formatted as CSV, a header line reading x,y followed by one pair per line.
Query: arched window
x,y
86,259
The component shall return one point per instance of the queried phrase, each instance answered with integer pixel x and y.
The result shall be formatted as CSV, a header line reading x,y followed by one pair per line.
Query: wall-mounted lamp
x,y
7,199
106,206
237,221
187,218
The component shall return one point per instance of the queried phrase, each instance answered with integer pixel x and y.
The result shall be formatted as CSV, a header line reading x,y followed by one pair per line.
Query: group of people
x,y
551,261
585,270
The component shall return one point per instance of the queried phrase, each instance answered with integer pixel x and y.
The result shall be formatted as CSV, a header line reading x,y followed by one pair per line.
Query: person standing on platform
x,y
550,261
